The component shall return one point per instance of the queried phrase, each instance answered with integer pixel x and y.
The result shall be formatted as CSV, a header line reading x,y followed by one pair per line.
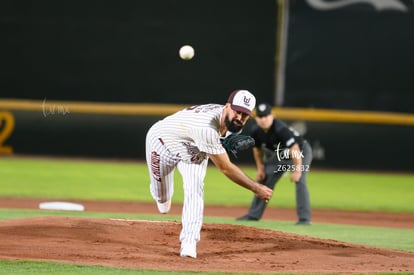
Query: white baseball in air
x,y
186,52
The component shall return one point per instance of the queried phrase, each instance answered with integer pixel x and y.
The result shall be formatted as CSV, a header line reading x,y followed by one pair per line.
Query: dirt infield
x,y
394,220
231,248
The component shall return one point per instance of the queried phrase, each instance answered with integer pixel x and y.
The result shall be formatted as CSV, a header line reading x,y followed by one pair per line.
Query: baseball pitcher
x,y
186,140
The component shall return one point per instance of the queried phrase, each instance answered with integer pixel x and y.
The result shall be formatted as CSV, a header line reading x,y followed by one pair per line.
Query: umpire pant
x,y
273,175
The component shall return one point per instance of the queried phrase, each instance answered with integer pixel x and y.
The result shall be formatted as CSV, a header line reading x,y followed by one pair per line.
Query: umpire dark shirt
x,y
279,132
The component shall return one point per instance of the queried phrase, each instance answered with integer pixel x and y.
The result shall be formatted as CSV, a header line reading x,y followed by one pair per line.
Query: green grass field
x,y
69,179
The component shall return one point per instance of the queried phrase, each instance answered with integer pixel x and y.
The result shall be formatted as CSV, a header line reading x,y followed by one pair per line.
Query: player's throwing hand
x,y
263,192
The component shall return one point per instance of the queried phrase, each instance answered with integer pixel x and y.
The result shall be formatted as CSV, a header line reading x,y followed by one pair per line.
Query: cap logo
x,y
246,100
262,107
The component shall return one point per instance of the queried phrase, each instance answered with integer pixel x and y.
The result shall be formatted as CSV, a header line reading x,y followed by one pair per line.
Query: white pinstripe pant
x,y
161,166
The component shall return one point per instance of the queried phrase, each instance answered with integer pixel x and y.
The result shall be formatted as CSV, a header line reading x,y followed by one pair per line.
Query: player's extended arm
x,y
233,172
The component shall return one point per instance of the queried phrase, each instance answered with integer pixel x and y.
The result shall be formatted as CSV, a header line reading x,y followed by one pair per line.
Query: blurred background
x,y
88,78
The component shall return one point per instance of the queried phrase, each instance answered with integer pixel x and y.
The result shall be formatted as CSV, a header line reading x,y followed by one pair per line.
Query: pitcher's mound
x,y
155,245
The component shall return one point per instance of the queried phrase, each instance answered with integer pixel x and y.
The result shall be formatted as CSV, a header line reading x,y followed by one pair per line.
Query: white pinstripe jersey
x,y
191,133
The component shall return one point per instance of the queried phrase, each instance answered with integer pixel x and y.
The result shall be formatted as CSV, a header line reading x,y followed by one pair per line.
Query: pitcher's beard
x,y
232,126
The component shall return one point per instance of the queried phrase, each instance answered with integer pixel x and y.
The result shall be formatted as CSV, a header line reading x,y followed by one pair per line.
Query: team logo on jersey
x,y
379,5
196,155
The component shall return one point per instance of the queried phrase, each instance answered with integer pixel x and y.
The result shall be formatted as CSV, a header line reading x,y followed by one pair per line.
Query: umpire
x,y
279,149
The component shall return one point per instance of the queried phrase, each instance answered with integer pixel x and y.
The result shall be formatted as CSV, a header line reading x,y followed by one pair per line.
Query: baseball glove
x,y
236,143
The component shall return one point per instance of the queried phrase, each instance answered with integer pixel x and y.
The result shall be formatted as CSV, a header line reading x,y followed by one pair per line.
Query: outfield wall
x,y
340,140
351,56
332,54
127,51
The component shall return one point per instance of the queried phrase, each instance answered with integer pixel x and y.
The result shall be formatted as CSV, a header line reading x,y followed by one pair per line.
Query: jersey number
x,y
6,128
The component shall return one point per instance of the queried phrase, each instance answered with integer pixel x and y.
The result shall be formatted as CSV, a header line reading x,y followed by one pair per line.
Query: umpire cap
x,y
263,109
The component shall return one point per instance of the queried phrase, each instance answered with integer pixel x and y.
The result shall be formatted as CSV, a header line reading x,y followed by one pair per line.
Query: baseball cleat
x,y
188,250
164,207
246,218
304,222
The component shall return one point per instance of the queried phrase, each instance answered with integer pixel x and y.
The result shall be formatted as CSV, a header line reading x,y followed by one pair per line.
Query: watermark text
x,y
54,109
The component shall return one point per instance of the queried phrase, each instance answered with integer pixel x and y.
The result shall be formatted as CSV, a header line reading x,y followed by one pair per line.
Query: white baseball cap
x,y
242,101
